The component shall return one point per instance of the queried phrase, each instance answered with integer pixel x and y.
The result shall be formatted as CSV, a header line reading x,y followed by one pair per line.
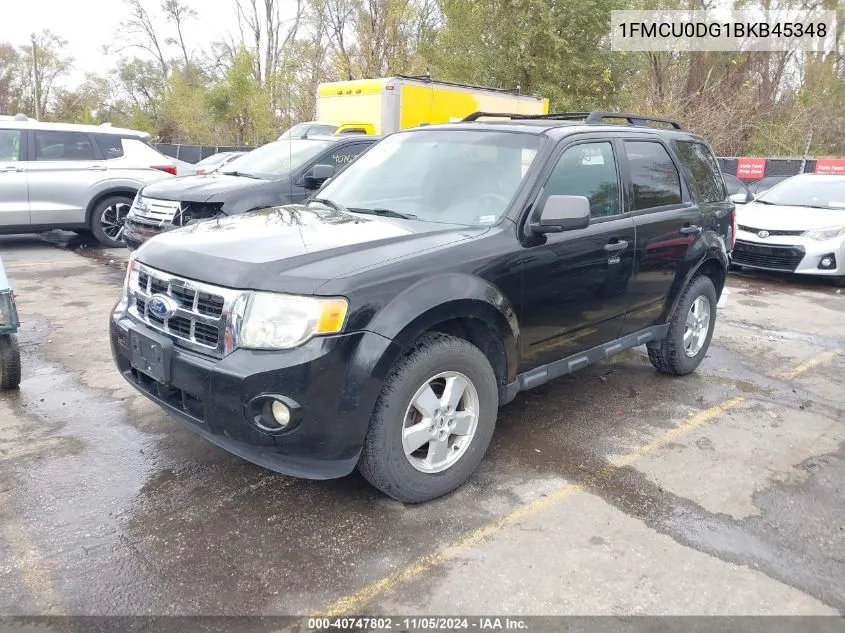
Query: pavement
x,y
614,491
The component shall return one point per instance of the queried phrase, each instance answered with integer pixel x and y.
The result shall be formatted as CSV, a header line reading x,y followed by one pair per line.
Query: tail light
x,y
170,169
733,227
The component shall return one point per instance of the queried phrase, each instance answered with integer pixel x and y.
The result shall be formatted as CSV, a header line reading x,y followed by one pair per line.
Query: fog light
x,y
828,262
281,413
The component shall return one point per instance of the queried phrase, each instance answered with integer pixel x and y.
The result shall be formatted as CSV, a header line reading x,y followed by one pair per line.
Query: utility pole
x,y
35,79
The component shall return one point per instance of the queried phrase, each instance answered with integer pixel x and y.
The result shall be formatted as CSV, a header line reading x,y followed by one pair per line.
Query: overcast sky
x,y
89,24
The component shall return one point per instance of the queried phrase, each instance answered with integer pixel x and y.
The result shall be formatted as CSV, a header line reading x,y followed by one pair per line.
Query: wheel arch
x,y
460,305
120,190
713,264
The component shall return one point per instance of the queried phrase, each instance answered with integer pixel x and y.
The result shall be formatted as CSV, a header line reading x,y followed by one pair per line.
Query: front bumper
x,y
136,233
788,253
210,397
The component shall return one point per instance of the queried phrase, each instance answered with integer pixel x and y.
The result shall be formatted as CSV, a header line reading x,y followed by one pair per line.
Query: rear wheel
x,y
433,420
690,330
107,220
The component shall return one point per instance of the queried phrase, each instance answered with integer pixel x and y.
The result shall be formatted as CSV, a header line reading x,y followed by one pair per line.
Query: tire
x,y
423,475
671,355
107,220
839,282
10,362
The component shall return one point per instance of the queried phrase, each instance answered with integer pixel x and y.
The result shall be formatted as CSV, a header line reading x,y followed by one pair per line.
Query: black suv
x,y
282,172
383,323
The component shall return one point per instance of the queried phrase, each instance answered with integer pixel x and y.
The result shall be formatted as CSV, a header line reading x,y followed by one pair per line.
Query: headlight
x,y
825,234
130,279
277,321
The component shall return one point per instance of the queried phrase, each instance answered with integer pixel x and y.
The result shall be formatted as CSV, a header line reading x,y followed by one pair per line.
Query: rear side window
x,y
343,156
51,145
10,145
654,176
110,145
589,170
701,171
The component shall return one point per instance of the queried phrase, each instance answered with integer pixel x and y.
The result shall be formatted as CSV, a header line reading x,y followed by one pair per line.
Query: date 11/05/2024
x,y
417,624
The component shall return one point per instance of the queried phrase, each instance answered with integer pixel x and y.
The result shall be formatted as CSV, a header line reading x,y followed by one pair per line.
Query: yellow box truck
x,y
382,106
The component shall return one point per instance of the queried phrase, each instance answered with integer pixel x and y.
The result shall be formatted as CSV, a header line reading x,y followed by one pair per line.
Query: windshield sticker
x,y
486,219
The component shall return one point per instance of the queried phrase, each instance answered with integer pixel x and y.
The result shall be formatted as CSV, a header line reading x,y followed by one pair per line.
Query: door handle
x,y
97,168
614,247
691,230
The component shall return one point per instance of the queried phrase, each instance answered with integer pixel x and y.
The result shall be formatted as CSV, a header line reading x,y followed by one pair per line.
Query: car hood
x,y
786,218
292,248
206,188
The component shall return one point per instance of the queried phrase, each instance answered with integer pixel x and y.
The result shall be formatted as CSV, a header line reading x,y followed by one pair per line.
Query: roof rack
x,y
640,120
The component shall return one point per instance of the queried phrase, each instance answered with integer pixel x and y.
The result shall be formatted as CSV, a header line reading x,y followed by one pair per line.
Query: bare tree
x,y
177,13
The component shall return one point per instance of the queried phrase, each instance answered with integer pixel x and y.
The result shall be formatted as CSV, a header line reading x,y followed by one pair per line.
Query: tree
x,y
238,101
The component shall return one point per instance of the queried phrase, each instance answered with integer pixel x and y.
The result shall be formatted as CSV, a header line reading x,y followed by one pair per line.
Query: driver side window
x,y
589,170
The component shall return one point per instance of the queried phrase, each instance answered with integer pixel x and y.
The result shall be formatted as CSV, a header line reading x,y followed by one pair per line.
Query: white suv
x,y
77,177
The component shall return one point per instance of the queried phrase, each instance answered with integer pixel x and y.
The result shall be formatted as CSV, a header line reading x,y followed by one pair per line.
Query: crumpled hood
x,y
294,248
785,218
207,188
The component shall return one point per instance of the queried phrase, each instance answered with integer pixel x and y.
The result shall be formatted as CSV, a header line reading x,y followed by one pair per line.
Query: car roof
x,y
337,138
105,128
557,129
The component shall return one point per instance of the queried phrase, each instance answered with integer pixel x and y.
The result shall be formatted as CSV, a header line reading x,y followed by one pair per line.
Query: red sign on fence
x,y
750,168
830,166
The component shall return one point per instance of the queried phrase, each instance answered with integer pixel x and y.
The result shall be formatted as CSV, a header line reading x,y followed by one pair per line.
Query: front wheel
x,y
690,330
433,420
108,218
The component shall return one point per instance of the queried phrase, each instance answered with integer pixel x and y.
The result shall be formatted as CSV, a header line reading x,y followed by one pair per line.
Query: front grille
x,y
153,212
784,258
201,319
772,233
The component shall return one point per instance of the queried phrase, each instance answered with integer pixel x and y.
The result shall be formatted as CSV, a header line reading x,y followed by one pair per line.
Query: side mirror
x,y
739,198
563,213
317,175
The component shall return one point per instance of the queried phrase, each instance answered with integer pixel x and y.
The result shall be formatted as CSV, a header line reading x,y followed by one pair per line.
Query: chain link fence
x,y
773,166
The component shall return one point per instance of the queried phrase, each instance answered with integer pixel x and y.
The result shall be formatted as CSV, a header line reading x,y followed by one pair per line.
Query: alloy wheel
x,y
112,220
697,326
440,422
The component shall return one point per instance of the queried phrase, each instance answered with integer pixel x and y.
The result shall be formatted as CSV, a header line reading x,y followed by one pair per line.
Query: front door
x,y
63,166
575,282
667,224
14,193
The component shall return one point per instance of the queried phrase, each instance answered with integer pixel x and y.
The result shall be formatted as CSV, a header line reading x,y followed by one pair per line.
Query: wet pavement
x,y
612,491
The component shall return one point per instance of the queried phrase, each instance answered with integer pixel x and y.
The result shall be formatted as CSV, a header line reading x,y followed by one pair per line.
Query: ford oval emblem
x,y
162,306
763,234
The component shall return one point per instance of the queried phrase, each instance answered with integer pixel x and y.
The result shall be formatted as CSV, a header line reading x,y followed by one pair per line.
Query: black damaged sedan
x,y
282,172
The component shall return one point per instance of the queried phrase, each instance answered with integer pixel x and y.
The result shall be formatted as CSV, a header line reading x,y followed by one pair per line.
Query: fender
x,y
111,187
417,309
708,247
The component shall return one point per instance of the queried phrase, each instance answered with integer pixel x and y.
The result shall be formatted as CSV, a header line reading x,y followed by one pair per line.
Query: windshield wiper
x,y
242,174
386,213
764,202
331,204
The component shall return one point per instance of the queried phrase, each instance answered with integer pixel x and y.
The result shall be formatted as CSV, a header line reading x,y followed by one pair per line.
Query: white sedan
x,y
797,226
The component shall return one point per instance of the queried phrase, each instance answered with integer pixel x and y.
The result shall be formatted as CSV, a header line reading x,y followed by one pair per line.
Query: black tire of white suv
x,y
414,457
107,220
690,330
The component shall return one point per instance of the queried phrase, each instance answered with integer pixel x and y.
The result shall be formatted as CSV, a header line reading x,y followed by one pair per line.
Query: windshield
x,y
275,159
825,192
449,176
214,159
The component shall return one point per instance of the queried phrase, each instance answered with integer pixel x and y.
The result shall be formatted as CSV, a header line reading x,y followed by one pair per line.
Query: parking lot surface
x,y
616,490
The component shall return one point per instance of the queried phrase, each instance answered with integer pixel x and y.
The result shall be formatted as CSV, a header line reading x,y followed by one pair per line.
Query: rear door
x,y
14,193
63,167
575,282
667,222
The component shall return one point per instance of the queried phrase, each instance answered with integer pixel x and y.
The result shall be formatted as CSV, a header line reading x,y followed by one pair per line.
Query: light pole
x,y
35,79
